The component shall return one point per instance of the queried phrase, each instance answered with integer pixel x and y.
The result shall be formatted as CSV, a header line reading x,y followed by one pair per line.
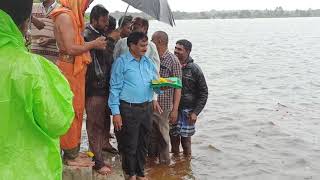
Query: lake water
x,y
262,119
263,112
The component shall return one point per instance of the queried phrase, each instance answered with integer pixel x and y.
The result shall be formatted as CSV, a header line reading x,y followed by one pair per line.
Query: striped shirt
x,y
169,67
49,51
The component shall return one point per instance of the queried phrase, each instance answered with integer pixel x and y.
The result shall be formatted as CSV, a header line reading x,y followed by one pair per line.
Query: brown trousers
x,y
98,126
160,138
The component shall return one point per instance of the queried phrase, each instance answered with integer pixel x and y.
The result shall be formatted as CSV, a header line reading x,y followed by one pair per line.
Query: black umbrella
x,y
158,9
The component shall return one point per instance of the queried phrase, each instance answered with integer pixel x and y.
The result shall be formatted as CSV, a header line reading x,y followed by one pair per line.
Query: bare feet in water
x,y
81,161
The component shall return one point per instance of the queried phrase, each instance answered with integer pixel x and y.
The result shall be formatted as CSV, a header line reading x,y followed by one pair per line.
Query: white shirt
x,y
121,47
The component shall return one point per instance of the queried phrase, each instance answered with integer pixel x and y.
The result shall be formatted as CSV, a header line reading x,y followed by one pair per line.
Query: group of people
x,y
108,71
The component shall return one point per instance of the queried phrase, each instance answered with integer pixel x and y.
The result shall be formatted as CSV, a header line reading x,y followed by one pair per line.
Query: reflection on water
x,y
179,169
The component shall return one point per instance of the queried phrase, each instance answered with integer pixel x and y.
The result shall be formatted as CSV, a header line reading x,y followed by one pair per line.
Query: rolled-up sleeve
x,y
116,84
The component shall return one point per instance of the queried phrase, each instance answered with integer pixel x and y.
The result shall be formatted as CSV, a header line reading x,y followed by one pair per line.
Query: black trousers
x,y
133,138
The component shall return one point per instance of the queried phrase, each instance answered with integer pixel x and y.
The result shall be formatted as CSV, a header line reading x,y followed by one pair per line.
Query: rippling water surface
x,y
263,112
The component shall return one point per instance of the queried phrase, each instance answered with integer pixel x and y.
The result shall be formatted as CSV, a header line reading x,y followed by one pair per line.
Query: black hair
x,y
97,12
185,43
135,37
112,23
144,22
125,19
18,10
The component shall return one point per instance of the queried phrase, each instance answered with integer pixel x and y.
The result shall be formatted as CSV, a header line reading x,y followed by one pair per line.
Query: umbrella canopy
x,y
158,9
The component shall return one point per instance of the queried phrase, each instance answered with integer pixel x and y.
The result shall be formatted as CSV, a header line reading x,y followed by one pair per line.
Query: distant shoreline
x,y
246,18
278,12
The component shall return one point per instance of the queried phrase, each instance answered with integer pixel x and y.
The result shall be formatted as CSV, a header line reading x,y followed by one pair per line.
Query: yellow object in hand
x,y
162,80
90,154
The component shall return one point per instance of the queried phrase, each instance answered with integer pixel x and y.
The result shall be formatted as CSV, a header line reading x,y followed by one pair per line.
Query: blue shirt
x,y
131,81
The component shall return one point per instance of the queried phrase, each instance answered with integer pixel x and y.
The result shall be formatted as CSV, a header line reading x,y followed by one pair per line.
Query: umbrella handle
x,y
124,15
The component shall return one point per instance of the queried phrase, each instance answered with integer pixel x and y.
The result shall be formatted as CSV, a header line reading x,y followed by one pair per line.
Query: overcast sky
x,y
206,5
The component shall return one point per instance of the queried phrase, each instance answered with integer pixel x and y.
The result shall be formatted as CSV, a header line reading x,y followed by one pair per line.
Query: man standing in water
x,y
169,100
130,102
193,99
73,60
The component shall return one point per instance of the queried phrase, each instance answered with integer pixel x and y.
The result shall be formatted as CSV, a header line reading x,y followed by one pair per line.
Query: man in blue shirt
x,y
130,102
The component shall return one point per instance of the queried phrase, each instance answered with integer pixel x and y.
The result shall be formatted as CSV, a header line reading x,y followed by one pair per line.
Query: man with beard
x,y
97,88
193,99
73,60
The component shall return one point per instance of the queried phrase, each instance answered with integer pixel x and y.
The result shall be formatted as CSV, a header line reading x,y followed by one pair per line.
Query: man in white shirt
x,y
138,25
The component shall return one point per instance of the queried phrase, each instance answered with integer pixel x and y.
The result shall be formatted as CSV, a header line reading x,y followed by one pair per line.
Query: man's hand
x,y
117,122
28,39
156,107
192,118
115,35
173,116
43,41
37,23
100,43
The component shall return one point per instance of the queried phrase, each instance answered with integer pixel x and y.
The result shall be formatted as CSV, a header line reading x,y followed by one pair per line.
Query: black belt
x,y
144,104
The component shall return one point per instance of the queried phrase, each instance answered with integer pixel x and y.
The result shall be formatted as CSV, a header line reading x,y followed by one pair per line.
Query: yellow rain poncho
x,y
35,110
